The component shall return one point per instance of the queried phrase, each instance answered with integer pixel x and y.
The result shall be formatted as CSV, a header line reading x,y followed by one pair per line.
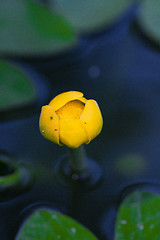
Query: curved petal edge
x,y
91,119
63,98
49,124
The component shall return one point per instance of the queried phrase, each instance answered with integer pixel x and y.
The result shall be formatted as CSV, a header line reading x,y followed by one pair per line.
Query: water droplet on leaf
x,y
124,222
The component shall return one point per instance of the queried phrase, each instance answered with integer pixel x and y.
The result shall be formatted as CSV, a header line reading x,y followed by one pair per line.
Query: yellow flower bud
x,y
71,119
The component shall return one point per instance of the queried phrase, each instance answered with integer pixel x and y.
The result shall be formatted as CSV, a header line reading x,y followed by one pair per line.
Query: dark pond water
x,y
120,70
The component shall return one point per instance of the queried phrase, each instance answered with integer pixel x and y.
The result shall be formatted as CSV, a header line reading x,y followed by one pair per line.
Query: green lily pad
x,y
45,224
89,15
15,87
139,217
149,19
29,28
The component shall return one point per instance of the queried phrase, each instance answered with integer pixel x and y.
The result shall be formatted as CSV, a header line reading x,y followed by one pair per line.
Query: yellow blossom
x,y
71,119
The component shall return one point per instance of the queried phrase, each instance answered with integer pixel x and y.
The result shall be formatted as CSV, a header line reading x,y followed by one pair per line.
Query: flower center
x,y
71,110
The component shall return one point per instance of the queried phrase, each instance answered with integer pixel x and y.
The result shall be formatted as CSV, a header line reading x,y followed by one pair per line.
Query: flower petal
x,y
82,99
63,98
71,110
72,133
91,119
49,124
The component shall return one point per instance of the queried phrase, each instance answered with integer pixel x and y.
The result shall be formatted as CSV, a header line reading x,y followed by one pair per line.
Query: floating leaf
x,y
139,217
29,28
15,87
89,15
45,224
149,19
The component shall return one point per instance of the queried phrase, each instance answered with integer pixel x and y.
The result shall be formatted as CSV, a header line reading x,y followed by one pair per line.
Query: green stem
x,y
78,159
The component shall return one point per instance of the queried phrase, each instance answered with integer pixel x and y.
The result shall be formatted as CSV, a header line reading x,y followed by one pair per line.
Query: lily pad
x,y
29,28
15,87
139,217
89,15
45,224
149,19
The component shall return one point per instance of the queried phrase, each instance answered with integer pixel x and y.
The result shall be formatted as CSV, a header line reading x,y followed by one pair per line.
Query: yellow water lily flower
x,y
70,119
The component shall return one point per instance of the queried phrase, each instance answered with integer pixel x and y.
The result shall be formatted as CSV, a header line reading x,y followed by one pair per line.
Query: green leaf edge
x,y
132,199
64,42
14,69
60,220
145,25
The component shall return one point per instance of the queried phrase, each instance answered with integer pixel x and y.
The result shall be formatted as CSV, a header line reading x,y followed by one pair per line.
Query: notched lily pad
x,y
28,28
45,224
15,87
89,15
139,217
149,19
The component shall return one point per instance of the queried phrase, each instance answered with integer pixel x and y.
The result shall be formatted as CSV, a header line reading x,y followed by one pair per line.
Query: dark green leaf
x,y
29,28
149,19
45,224
139,217
89,15
15,87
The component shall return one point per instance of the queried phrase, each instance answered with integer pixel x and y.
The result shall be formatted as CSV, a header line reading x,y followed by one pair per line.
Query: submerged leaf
x,y
15,87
